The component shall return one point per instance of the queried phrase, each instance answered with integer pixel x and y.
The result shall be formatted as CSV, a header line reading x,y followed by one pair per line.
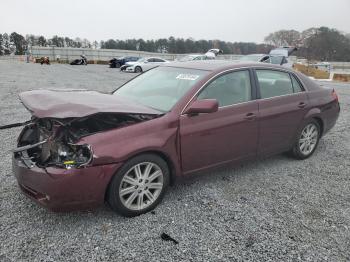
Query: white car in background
x,y
193,57
277,56
143,64
211,54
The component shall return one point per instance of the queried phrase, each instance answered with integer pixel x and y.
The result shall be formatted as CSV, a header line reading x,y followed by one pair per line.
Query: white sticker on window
x,y
187,77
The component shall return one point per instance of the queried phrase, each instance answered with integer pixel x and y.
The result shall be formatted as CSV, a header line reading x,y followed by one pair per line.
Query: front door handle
x,y
301,105
250,116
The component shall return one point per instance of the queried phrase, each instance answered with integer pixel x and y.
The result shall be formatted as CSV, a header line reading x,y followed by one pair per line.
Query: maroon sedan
x,y
82,148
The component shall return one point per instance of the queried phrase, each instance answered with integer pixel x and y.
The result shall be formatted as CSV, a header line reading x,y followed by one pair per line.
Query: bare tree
x,y
284,38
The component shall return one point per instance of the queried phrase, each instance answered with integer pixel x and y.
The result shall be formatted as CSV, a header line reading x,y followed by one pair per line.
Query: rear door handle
x,y
250,116
301,105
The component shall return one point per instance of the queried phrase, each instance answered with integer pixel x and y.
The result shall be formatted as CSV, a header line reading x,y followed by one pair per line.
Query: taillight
x,y
335,96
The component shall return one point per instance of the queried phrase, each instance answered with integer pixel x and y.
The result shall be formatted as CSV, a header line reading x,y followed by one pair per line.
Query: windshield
x,y
160,88
253,58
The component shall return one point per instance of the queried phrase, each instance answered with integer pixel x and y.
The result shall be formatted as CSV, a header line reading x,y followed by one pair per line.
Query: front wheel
x,y
307,140
139,185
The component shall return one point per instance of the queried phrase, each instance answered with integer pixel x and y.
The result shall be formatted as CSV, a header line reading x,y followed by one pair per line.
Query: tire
x,y
118,65
138,69
307,140
140,196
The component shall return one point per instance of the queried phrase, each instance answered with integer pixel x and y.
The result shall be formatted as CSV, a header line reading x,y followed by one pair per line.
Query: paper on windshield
x,y
187,77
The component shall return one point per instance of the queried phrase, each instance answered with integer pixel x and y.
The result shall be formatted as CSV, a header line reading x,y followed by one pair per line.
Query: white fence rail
x,y
67,53
12,57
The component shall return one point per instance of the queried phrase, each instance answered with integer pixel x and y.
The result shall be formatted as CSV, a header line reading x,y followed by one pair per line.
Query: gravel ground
x,y
276,209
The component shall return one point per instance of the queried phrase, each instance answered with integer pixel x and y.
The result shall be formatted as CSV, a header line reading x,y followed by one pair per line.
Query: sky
x,y
227,20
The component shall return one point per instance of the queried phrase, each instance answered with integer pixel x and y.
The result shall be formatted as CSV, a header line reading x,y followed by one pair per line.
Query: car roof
x,y
220,65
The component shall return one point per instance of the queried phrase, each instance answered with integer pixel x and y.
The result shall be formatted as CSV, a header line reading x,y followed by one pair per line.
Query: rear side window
x,y
274,83
229,89
296,86
158,60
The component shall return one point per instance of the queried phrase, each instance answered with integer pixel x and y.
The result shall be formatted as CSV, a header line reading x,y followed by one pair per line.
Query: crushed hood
x,y
78,103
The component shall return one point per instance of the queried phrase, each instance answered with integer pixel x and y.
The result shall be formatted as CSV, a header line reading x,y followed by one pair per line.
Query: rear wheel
x,y
138,69
139,185
307,140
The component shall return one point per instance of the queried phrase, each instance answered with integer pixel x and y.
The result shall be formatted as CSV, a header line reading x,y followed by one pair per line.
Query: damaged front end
x,y
46,142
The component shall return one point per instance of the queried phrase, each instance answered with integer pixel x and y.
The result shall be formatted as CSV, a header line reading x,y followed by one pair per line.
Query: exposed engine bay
x,y
48,142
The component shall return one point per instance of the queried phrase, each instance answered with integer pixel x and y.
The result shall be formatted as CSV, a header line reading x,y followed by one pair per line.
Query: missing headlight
x,y
72,155
43,148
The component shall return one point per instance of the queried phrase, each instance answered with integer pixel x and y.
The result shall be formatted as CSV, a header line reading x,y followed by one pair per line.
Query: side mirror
x,y
145,61
202,106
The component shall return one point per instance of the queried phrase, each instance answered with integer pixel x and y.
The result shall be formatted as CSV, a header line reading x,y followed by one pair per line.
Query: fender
x,y
313,112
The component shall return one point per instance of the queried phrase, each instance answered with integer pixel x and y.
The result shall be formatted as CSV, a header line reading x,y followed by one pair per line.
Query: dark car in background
x,y
118,62
85,148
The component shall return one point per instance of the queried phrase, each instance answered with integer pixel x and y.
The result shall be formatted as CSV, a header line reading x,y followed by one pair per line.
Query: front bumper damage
x,y
61,189
54,178
54,171
52,164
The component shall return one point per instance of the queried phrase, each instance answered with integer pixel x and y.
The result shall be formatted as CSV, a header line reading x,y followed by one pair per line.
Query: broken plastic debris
x,y
166,237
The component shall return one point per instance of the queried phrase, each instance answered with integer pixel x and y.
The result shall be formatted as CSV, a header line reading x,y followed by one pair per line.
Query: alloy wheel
x,y
308,139
141,186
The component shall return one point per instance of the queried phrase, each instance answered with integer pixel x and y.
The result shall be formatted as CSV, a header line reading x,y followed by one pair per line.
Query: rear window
x,y
274,83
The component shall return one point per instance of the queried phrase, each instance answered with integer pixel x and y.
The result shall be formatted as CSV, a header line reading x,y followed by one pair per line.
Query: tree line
x,y
18,44
321,43
182,46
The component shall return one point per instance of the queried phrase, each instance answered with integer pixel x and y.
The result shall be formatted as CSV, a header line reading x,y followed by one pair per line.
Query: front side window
x,y
229,89
274,83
